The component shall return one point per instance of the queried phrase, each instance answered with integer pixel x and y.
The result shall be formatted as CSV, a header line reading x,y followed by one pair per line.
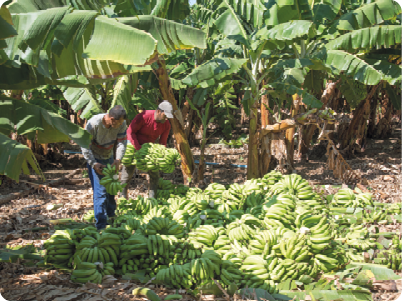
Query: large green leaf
x,y
394,96
292,30
368,38
250,11
380,272
212,71
80,98
123,92
6,24
15,157
308,99
115,41
281,11
330,295
28,118
367,15
391,73
352,65
176,10
326,10
169,35
26,6
230,24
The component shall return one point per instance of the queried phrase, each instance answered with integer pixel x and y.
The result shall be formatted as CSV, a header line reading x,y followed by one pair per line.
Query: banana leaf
x,y
6,25
169,35
366,16
330,295
28,118
209,73
380,272
16,157
12,255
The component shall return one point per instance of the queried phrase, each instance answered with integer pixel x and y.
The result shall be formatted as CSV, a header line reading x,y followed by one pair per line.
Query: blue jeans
x,y
104,203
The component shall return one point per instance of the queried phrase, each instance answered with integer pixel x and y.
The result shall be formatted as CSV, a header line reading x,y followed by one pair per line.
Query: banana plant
x,y
204,116
283,41
71,43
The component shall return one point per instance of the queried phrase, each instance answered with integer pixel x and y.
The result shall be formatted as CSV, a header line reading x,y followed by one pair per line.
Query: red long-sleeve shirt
x,y
144,129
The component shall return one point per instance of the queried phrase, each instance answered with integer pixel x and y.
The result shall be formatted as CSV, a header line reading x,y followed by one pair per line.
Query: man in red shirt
x,y
147,127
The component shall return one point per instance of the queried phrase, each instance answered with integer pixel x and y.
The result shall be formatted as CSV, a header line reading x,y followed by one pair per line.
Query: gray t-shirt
x,y
103,140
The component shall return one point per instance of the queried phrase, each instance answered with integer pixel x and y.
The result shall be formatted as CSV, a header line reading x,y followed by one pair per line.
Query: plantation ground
x,y
380,164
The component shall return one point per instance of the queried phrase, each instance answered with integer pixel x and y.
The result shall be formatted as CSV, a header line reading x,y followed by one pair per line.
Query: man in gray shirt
x,y
105,130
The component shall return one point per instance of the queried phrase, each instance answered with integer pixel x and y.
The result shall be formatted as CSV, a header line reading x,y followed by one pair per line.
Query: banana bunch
x,y
121,232
133,246
240,231
256,268
87,231
215,190
60,248
111,180
366,199
281,213
89,216
391,258
263,243
222,244
128,158
230,273
379,216
296,248
253,200
181,190
289,269
325,263
129,222
105,249
235,193
253,186
155,157
140,205
352,256
150,294
361,244
205,234
87,272
164,226
176,275
293,184
202,269
162,194
320,235
356,232
396,243
271,178
344,197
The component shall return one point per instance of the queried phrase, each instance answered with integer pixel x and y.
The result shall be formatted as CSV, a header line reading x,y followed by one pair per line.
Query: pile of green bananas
x,y
155,157
254,235
111,180
85,272
347,198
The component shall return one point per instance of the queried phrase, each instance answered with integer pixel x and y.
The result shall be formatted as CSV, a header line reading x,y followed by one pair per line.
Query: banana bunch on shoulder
x,y
111,180
155,157
128,158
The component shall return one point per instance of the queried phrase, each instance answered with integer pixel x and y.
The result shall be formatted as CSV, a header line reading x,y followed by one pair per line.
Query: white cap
x,y
167,108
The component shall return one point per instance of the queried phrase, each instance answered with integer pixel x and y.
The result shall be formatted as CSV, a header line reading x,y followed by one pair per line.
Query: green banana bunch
x,y
111,180
155,157
150,294
60,248
89,216
128,158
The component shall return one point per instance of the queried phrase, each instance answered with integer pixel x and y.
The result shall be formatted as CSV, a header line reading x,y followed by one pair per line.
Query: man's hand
x,y
98,168
117,164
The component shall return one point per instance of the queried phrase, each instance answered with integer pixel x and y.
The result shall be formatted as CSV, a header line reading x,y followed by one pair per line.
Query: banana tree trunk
x,y
373,117
183,146
360,116
290,133
252,162
265,151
